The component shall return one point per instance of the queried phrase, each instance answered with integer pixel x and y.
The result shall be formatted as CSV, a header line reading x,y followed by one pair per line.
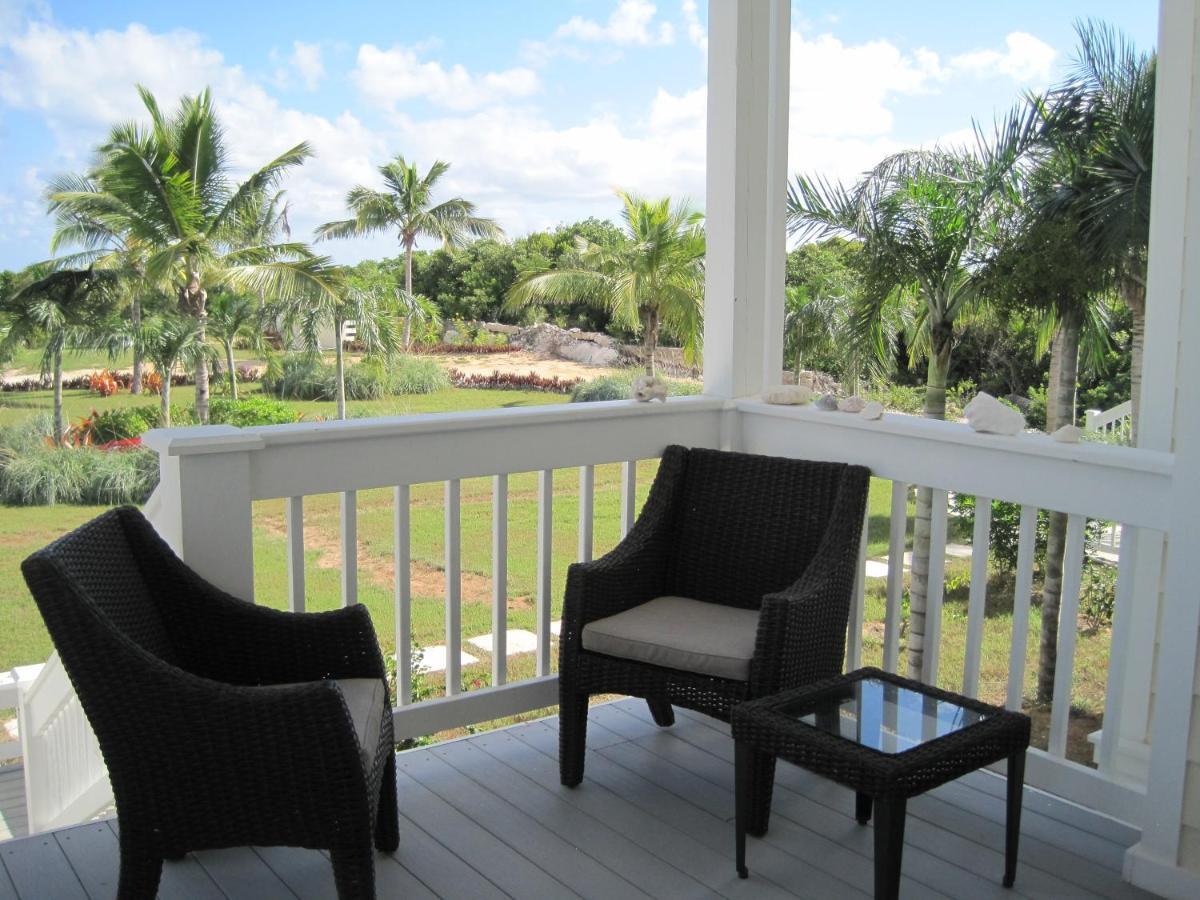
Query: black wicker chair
x,y
734,583
222,723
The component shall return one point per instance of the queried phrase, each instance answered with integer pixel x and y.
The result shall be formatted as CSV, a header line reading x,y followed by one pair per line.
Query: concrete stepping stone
x,y
517,640
556,628
433,659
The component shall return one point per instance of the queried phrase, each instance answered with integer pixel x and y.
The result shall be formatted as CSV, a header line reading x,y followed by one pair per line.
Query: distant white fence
x,y
1117,422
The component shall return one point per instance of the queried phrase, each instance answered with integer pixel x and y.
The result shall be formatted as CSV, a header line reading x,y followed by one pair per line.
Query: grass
x,y
28,361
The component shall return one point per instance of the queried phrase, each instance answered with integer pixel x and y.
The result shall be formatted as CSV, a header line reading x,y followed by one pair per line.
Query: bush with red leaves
x,y
513,381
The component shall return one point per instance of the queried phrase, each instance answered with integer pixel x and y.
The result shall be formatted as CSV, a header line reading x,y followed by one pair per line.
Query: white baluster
x,y
453,588
858,600
1068,630
402,530
294,513
628,495
545,557
499,579
349,548
587,498
897,533
1026,541
977,603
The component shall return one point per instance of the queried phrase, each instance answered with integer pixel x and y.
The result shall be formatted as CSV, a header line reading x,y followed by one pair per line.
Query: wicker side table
x,y
888,738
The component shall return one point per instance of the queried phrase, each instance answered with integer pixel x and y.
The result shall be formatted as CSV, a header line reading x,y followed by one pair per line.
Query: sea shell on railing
x,y
988,415
788,395
873,410
854,404
647,388
1068,434
827,402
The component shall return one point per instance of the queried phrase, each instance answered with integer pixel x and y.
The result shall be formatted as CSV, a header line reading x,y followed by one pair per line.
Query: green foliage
x,y
1035,412
1005,531
304,376
911,400
34,473
620,387
250,411
1098,594
122,423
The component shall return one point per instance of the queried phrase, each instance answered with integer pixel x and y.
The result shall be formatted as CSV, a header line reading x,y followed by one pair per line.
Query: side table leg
x,y
889,847
743,791
1016,786
862,808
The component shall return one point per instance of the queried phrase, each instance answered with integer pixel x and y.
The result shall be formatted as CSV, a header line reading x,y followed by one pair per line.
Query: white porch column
x,y
1168,858
202,505
748,64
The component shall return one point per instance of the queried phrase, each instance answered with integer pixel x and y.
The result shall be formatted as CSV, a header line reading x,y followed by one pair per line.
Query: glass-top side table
x,y
888,738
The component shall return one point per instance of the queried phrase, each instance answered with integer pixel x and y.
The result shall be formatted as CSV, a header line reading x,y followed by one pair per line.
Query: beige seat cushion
x,y
366,699
679,633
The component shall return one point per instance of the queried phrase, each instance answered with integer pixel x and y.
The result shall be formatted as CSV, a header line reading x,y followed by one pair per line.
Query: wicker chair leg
x,y
354,872
572,736
762,779
662,711
140,875
387,819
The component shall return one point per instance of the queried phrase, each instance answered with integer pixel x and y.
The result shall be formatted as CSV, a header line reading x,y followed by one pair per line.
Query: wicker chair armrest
x,y
802,629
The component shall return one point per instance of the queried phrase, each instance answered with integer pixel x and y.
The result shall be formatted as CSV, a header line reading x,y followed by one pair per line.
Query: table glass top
x,y
883,716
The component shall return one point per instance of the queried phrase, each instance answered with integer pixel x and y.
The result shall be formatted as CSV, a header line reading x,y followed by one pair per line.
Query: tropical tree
x,y
232,317
652,280
926,219
370,304
66,309
168,341
1106,110
167,188
406,206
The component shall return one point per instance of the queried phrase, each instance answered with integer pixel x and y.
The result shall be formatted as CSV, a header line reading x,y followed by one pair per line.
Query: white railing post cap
x,y
198,439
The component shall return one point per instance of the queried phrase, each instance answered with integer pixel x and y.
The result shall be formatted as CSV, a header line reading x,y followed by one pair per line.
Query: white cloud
x,y
1025,59
306,60
390,76
631,23
696,31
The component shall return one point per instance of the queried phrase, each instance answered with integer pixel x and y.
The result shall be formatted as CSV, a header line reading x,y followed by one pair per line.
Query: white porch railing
x,y
211,477
1116,422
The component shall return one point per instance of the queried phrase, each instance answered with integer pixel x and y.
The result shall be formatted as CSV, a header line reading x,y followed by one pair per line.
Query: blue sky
x,y
543,108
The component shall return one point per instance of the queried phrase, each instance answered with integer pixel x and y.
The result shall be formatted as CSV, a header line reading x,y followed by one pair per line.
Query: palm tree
x,y
651,280
233,317
168,341
66,309
1106,108
368,304
926,219
167,188
406,205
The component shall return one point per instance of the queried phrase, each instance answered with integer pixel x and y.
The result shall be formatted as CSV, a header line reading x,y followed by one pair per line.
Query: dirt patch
x,y
521,362
1079,726
426,580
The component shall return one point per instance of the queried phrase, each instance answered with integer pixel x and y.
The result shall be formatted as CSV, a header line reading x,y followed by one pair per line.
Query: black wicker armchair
x,y
734,583
222,723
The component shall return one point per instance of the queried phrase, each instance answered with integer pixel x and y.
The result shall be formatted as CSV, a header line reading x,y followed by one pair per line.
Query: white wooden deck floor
x,y
485,817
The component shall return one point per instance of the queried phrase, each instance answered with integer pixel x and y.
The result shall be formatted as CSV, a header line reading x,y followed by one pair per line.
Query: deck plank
x,y
39,869
485,817
608,847
564,861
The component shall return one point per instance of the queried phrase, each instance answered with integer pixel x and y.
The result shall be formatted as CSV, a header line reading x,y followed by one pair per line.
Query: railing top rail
x,y
1130,459
226,438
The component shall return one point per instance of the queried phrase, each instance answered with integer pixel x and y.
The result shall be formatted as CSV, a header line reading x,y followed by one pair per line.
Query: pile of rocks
x,y
587,347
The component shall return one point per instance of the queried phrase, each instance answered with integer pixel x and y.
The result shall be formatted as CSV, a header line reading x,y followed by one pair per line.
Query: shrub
x,y
297,376
250,411
513,381
409,375
368,380
103,383
620,387
118,424
1098,594
52,475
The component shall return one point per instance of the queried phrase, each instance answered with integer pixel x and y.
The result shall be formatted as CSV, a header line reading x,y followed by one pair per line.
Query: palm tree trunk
x,y
59,426
1133,293
202,376
135,313
1060,411
341,373
232,370
165,397
935,408
408,259
650,341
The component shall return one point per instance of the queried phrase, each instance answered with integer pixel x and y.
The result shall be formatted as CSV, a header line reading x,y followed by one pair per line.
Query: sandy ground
x,y
519,361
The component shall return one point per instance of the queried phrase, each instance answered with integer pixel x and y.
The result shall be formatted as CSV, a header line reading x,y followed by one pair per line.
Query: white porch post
x,y
748,64
1173,323
202,505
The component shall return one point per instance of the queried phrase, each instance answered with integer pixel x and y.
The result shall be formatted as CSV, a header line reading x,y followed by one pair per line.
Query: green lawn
x,y
29,360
